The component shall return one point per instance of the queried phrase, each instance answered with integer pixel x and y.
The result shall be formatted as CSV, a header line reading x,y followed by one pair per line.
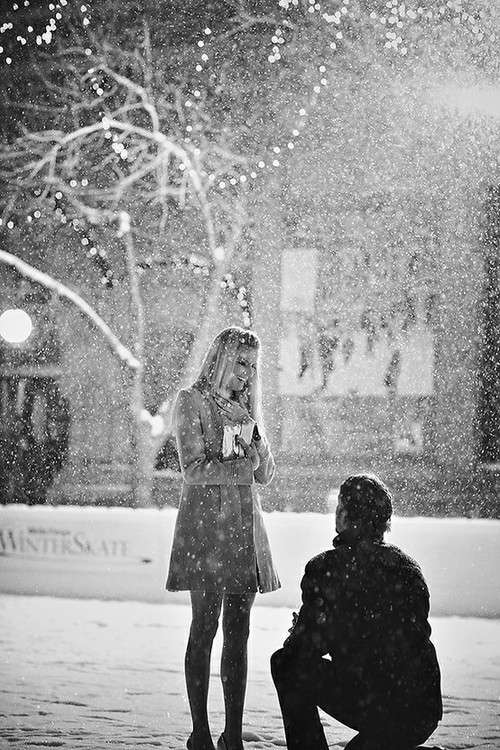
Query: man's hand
x,y
295,617
250,451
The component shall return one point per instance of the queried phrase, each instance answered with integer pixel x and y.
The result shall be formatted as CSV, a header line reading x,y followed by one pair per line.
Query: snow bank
x,y
122,553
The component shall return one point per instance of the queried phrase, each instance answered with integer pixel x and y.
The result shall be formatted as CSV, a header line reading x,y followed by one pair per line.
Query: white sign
x,y
298,279
49,533
59,542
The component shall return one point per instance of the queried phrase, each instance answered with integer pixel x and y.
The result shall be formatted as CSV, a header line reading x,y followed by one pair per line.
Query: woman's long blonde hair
x,y
221,356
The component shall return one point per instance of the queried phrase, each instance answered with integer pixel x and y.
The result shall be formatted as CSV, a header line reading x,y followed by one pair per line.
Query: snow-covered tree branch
x,y
64,292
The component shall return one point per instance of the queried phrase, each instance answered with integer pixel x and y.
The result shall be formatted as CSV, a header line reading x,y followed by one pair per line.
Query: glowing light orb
x,y
15,326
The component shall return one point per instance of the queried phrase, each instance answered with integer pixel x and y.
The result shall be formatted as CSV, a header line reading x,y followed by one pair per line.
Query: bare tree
x,y
115,157
106,135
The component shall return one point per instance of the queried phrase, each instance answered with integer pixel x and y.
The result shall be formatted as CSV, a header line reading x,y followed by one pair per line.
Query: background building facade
x,y
368,266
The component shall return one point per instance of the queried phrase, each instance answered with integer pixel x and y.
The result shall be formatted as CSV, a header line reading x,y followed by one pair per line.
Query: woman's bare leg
x,y
235,626
206,609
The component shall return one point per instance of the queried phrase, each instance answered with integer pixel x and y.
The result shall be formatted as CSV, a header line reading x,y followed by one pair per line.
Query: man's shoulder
x,y
396,562
395,555
323,561
383,555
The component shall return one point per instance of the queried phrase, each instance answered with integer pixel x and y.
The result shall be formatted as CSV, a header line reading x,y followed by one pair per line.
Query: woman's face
x,y
244,368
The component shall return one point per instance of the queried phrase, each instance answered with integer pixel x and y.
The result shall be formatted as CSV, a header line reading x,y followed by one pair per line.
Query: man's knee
x,y
274,662
287,668
283,664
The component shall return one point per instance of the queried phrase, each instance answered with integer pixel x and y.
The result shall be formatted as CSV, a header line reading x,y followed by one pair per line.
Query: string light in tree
x,y
272,159
98,256
194,95
242,296
18,33
396,20
197,264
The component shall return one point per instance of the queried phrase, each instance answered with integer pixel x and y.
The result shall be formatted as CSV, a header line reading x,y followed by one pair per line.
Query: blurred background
x,y
325,174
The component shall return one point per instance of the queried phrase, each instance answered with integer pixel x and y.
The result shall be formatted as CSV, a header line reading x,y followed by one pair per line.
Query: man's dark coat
x,y
366,604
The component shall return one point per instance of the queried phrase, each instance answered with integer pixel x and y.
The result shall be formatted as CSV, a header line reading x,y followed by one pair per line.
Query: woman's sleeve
x,y
195,467
265,471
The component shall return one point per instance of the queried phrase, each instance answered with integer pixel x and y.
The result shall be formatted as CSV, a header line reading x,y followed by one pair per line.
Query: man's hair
x,y
368,504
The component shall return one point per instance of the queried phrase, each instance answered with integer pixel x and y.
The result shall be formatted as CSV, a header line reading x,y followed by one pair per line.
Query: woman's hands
x,y
250,452
235,412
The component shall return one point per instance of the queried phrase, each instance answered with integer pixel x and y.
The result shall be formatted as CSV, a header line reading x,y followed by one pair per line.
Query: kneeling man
x,y
365,604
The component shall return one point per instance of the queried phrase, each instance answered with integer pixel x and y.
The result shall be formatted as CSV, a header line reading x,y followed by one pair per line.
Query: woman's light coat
x,y
220,541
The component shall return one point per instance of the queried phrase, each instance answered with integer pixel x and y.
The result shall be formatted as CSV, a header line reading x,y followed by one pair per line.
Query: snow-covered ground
x,y
80,672
97,675
120,553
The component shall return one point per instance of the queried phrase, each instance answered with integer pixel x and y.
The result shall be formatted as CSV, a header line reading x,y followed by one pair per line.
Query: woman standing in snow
x,y
220,550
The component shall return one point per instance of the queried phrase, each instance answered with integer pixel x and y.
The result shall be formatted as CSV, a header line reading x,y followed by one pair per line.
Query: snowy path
x,y
91,674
